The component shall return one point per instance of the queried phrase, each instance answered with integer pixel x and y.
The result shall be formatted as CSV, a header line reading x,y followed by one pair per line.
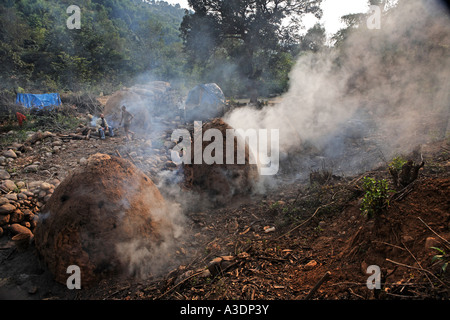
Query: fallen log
x,y
38,136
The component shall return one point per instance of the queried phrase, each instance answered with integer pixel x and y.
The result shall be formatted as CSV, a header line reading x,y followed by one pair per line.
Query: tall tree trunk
x,y
252,88
253,91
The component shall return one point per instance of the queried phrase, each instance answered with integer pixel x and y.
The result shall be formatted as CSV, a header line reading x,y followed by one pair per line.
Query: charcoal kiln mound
x,y
221,182
98,208
134,103
156,98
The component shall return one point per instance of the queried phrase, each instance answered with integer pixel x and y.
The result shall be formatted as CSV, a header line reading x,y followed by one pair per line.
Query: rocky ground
x,y
276,245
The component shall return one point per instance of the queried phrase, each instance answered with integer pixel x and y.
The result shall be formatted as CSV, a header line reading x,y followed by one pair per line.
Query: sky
x,y
332,11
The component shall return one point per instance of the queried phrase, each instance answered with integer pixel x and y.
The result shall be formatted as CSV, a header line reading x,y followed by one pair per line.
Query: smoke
x,y
379,93
143,257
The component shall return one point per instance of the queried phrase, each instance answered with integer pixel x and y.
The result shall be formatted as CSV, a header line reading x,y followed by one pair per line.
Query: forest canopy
x,y
123,42
117,42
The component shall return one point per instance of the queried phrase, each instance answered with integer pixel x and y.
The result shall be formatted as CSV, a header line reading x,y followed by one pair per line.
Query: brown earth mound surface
x,y
98,208
221,181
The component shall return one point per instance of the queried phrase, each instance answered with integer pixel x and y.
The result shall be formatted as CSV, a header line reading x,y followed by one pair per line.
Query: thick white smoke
x,y
389,86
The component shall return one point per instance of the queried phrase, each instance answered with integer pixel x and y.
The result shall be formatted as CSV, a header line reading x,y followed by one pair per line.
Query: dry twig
x,y
416,268
307,220
325,278
447,243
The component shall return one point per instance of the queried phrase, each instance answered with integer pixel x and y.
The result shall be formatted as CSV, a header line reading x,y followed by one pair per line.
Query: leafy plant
x,y
376,197
443,257
397,163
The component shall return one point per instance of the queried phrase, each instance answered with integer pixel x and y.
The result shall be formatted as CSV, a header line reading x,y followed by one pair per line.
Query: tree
x,y
252,32
314,40
119,41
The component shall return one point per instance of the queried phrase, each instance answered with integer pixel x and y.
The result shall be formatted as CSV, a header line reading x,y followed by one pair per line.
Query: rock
x,y
4,219
31,168
7,208
34,184
9,185
17,145
10,154
45,186
57,143
55,182
22,196
22,242
18,229
26,224
27,193
3,201
20,184
83,161
148,144
28,214
407,239
431,242
16,217
170,164
11,196
4,175
310,265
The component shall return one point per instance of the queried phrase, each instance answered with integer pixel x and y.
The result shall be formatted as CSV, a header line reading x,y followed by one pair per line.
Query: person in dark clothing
x,y
126,119
102,126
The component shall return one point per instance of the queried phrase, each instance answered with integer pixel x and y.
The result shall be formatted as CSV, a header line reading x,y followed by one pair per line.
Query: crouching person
x,y
103,127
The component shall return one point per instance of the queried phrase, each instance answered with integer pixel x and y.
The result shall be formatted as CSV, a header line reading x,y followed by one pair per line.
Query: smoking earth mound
x,y
93,213
221,182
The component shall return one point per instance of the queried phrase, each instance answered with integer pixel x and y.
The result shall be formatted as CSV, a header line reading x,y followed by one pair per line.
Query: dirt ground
x,y
272,246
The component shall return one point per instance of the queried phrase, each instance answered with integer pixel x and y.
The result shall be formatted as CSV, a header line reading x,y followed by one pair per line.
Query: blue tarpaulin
x,y
40,101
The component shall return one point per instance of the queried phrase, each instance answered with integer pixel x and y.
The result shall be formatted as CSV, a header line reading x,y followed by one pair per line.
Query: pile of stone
x,y
21,203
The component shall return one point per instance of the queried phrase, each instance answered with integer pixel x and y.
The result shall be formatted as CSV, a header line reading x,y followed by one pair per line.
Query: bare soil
x,y
276,245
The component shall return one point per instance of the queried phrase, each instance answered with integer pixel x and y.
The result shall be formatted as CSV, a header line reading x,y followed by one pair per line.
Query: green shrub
x,y
397,163
444,258
376,197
